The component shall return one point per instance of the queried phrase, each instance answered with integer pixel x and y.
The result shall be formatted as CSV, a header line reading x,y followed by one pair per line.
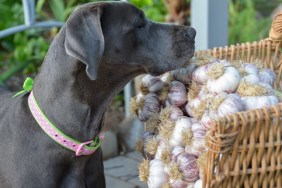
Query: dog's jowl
x,y
49,137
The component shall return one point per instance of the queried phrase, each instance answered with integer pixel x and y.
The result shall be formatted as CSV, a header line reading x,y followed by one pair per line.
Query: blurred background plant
x,y
22,53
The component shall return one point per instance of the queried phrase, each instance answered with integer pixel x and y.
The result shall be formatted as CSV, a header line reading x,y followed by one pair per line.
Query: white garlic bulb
x,y
157,176
200,74
254,102
176,151
197,146
181,125
251,78
228,82
250,68
198,183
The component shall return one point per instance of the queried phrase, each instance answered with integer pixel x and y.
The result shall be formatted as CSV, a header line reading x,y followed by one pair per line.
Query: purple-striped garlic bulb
x,y
188,166
267,76
177,94
150,107
151,83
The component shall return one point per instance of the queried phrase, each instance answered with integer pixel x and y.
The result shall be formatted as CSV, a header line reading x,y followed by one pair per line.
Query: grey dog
x,y
101,47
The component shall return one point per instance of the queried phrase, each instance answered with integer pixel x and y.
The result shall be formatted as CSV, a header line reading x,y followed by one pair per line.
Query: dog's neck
x,y
69,99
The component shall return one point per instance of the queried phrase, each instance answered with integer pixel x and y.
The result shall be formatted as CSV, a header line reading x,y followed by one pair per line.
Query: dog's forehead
x,y
117,10
123,10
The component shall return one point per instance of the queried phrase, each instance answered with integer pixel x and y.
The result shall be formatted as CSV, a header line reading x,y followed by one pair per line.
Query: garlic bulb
x,y
197,146
184,75
227,82
177,94
176,151
167,77
163,151
182,125
198,183
250,68
153,172
175,113
151,83
208,117
150,147
254,102
150,106
251,78
181,184
188,166
200,74
232,103
267,76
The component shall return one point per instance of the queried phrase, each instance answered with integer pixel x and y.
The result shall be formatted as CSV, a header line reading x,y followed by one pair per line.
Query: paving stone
x,y
110,145
116,183
121,167
129,132
135,155
138,183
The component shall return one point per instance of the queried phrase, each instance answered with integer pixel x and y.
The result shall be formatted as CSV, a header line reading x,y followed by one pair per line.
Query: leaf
x,y
39,6
58,9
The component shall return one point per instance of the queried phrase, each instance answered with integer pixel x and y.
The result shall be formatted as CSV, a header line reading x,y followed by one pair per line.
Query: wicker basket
x,y
245,149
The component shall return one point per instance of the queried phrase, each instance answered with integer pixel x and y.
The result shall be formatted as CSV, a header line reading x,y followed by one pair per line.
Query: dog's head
x,y
119,33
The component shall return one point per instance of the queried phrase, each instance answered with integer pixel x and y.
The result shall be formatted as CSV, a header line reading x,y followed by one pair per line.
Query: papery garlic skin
x,y
250,68
180,184
228,82
200,74
163,145
151,106
208,118
188,166
198,140
176,151
231,104
267,76
251,78
192,105
182,124
198,183
157,176
153,83
175,113
177,94
255,102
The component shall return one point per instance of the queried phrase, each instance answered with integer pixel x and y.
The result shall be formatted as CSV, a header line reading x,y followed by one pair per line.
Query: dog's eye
x,y
141,26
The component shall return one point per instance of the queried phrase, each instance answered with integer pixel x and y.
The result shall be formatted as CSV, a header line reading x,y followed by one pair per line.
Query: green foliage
x,y
154,9
245,24
248,21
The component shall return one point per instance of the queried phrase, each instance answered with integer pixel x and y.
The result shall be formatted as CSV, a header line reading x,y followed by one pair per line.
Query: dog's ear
x,y
84,39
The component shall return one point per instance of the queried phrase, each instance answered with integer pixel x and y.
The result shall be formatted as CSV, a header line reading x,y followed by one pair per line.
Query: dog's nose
x,y
190,32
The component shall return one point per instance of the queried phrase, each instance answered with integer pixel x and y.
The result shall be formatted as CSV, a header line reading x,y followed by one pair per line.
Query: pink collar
x,y
85,148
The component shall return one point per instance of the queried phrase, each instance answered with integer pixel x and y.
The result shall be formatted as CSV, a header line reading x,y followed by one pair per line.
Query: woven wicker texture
x,y
245,149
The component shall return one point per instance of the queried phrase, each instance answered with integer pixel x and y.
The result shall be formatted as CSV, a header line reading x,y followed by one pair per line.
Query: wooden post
x,y
210,19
